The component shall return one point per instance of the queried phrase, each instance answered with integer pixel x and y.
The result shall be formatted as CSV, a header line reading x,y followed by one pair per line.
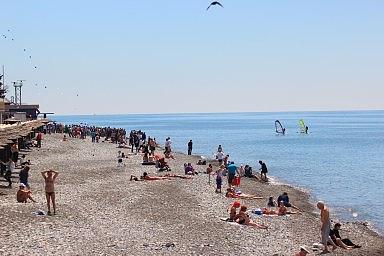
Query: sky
x,y
172,56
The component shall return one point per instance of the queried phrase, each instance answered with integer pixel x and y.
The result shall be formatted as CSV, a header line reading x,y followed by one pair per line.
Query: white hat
x,y
22,185
304,248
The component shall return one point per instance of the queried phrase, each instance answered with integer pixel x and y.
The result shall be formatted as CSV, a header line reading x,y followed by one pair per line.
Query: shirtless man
x,y
50,177
325,227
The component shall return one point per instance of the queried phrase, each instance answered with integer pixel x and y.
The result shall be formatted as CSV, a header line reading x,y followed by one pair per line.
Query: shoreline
x,y
312,199
101,212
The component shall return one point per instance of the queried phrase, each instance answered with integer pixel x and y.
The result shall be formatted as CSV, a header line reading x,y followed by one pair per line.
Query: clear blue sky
x,y
174,56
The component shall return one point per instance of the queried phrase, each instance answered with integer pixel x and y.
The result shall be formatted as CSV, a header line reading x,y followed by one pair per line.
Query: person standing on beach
x,y
190,147
15,152
220,156
232,171
39,138
325,227
50,178
219,178
167,145
264,171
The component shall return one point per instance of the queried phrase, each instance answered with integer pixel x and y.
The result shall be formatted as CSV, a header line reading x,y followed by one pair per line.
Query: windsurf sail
x,y
279,127
303,127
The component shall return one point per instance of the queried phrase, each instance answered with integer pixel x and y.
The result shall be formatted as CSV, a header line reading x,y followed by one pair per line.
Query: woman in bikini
x,y
281,211
50,177
233,211
243,218
232,194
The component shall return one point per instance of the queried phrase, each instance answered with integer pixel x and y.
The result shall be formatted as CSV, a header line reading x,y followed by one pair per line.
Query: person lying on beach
x,y
281,211
243,218
232,194
23,194
233,211
285,200
344,243
145,176
177,176
201,162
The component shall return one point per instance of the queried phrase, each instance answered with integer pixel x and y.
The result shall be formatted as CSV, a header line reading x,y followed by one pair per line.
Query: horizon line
x,y
234,112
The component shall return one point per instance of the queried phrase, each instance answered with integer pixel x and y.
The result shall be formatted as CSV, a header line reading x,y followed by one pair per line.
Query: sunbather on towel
x,y
147,177
281,211
232,194
243,218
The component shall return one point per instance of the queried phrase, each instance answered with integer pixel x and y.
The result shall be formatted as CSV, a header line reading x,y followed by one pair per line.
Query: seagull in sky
x,y
215,3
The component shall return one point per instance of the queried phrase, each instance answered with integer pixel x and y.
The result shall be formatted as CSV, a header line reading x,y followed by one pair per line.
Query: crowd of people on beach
x,y
138,143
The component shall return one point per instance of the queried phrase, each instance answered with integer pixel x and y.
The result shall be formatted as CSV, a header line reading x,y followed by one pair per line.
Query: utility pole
x,y
2,95
2,84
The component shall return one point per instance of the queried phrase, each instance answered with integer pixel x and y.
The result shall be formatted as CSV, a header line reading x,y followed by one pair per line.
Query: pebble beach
x,y
101,212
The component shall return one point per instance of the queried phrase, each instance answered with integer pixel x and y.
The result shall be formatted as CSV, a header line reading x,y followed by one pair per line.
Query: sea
x,y
340,160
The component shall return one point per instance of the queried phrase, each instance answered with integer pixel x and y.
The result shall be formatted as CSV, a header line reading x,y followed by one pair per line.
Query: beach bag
x,y
236,181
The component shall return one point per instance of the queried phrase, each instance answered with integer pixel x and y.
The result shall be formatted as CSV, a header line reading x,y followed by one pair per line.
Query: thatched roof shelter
x,y
18,130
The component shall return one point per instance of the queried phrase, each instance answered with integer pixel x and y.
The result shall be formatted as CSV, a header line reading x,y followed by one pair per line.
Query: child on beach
x,y
219,178
209,171
50,178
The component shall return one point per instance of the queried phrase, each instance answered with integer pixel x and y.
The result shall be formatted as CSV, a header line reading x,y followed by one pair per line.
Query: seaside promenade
x,y
101,212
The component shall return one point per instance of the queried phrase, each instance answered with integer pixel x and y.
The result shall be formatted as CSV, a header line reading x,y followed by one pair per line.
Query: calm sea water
x,y
340,161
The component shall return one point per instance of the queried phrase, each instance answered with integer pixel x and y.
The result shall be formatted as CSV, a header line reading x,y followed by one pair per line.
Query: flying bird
x,y
215,3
